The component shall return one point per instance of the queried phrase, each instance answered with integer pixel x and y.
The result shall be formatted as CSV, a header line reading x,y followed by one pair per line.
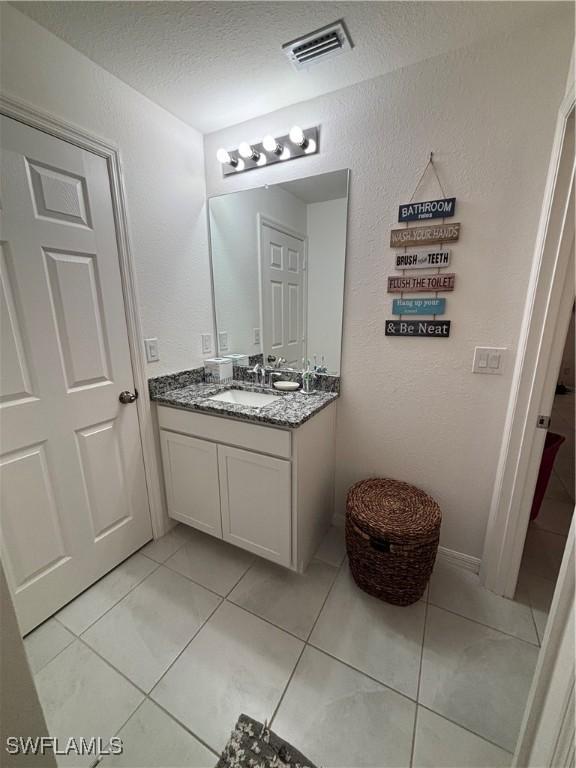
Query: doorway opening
x,y
554,498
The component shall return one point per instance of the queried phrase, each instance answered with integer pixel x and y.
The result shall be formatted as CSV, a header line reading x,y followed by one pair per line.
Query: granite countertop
x,y
291,409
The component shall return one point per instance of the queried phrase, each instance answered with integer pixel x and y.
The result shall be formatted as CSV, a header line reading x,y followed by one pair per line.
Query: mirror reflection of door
x,y
283,286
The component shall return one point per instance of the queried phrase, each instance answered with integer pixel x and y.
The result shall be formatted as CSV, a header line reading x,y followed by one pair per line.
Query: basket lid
x,y
382,507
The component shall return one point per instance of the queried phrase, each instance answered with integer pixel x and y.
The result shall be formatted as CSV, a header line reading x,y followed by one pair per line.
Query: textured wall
x,y
163,169
411,408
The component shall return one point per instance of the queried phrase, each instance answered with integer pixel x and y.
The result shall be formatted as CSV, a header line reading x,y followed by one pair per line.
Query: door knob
x,y
127,397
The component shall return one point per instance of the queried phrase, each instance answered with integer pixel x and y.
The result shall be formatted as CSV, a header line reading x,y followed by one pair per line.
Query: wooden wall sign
x,y
418,284
418,306
433,233
422,259
439,329
432,209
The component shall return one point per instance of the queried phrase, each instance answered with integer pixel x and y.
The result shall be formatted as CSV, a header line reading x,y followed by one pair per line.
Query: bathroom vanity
x,y
242,461
261,478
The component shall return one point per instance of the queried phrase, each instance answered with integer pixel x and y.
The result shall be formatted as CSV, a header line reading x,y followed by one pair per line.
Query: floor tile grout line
x,y
534,619
193,581
184,726
281,699
228,599
267,621
147,695
117,731
37,671
158,565
465,728
109,663
538,529
194,636
306,643
227,595
361,672
487,626
418,683
153,541
169,715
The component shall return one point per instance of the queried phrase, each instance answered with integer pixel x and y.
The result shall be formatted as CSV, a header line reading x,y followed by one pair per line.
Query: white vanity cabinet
x,y
191,477
265,489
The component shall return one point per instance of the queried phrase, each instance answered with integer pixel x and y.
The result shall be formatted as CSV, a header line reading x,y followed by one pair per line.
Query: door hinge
x,y
543,422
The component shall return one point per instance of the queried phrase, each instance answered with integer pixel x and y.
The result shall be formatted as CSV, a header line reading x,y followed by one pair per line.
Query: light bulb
x,y
223,156
311,147
262,160
245,150
297,135
270,144
285,154
240,164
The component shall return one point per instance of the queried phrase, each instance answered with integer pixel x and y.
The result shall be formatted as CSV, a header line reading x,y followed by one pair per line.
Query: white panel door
x,y
256,499
283,285
74,501
191,478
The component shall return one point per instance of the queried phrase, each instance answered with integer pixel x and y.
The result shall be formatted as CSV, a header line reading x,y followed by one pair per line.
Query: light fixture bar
x,y
262,157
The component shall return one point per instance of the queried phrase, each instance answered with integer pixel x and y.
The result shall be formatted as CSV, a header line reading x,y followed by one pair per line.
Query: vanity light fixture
x,y
224,157
297,136
270,144
272,149
308,145
248,152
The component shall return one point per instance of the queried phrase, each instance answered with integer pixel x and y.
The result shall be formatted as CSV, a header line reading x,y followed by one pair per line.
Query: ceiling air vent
x,y
318,46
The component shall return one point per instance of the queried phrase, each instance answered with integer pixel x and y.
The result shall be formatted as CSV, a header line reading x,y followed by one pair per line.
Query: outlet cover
x,y
223,341
152,352
489,360
206,343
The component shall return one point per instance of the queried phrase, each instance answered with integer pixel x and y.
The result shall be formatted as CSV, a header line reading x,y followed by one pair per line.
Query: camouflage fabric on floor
x,y
253,745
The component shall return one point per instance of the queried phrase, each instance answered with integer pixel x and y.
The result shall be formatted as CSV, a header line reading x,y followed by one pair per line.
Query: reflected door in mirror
x,y
283,278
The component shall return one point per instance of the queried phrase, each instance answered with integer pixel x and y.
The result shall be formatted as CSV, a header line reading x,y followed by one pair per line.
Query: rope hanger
x,y
429,164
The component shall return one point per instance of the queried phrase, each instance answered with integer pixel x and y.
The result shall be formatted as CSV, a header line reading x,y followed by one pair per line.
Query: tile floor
x,y
547,534
168,650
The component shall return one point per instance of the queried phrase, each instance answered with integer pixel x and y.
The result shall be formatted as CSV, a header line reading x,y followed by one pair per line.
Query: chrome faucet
x,y
272,374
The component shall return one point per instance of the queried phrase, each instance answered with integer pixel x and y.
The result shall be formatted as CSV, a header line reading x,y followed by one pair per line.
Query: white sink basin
x,y
242,397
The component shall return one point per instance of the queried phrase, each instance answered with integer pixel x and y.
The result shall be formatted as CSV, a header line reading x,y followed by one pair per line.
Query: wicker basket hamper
x,y
392,532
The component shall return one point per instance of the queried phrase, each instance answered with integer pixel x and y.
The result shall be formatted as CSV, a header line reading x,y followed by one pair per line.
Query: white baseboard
x,y
460,559
448,555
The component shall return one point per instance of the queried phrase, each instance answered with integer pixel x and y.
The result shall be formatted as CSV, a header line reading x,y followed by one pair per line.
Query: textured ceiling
x,y
214,64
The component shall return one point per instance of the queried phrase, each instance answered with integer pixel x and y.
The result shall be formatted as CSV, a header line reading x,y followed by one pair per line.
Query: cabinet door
x,y
191,477
256,503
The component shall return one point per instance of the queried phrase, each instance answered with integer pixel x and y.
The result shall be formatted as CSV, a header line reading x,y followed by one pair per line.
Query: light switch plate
x,y
256,335
206,343
223,341
489,360
152,352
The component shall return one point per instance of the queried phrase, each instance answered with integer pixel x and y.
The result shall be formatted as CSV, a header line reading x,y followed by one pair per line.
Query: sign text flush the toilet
x,y
425,283
431,209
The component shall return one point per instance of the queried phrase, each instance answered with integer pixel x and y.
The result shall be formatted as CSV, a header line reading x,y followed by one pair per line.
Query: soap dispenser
x,y
308,378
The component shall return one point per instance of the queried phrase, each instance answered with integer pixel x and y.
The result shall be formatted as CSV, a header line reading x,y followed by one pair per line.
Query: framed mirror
x,y
278,259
